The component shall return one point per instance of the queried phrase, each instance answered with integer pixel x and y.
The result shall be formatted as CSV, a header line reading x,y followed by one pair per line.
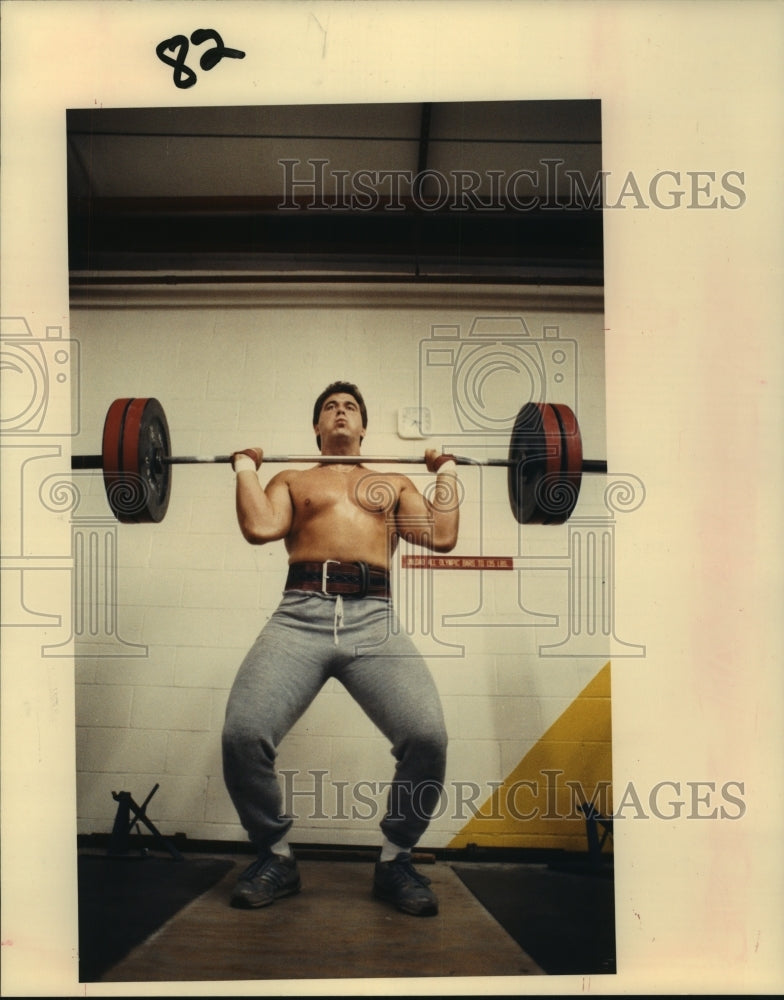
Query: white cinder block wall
x,y
192,594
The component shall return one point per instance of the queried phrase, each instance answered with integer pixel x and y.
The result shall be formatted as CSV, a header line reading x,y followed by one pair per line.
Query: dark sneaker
x,y
400,883
268,878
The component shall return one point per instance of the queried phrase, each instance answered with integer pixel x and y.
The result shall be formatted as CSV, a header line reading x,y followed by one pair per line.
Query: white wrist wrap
x,y
244,463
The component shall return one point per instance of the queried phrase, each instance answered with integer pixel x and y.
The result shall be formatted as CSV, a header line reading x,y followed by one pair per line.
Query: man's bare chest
x,y
353,490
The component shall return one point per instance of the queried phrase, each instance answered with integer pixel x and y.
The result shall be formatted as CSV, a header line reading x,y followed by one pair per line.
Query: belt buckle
x,y
325,574
364,579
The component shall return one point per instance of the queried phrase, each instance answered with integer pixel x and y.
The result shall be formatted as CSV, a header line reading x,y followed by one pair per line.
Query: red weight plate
x,y
553,443
572,443
130,438
112,453
566,492
547,486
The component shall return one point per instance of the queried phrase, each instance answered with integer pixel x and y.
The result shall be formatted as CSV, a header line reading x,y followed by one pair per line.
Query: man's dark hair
x,y
351,390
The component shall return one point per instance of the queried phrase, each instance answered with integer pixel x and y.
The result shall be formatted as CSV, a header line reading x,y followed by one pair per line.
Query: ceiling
x,y
480,191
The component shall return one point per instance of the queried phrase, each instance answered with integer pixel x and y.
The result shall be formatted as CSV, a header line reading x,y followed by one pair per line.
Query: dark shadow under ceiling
x,y
498,191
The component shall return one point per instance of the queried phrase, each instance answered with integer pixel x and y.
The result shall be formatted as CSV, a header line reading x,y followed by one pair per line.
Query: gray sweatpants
x,y
308,639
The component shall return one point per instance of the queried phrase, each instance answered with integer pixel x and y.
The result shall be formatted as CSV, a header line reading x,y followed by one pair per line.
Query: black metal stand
x,y
124,824
594,820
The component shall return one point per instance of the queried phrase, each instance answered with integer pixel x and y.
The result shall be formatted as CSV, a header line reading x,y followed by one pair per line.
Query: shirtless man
x,y
341,524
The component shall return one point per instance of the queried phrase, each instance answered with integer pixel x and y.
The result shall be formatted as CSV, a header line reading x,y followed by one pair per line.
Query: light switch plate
x,y
413,421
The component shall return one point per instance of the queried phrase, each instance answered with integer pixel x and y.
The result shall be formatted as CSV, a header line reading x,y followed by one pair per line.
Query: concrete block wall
x,y
191,594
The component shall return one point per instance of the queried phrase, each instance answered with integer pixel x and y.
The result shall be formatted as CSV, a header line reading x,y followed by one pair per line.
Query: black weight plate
x,y
154,446
527,463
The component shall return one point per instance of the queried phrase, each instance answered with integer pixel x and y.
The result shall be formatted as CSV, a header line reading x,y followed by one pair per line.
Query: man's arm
x,y
431,520
264,515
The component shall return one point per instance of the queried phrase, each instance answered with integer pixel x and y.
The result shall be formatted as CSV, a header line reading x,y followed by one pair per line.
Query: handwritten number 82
x,y
184,76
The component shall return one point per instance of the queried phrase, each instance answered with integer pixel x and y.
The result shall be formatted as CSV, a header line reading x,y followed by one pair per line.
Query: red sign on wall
x,y
458,562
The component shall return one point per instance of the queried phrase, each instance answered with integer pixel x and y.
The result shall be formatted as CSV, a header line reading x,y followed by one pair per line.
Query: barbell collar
x,y
86,461
595,465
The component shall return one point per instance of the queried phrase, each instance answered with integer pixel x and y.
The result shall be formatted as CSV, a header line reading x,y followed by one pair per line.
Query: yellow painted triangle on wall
x,y
538,805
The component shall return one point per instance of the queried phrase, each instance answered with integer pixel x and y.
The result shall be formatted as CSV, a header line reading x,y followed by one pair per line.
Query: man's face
x,y
340,419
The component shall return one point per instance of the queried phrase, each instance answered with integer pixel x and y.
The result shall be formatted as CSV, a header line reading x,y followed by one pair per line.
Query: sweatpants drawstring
x,y
338,616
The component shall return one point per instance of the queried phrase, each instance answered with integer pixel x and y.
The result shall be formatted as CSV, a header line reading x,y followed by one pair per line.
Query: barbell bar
x,y
96,461
545,462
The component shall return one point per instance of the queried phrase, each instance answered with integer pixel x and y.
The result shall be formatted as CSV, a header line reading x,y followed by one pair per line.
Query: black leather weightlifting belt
x,y
349,579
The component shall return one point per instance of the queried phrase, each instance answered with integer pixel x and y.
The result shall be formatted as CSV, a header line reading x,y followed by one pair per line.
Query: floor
x,y
333,929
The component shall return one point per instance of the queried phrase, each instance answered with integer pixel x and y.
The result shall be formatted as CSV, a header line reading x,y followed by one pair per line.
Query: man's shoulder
x,y
290,476
284,477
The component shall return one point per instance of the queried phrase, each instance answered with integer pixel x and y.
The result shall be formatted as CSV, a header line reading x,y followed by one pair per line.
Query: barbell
x,y
545,462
